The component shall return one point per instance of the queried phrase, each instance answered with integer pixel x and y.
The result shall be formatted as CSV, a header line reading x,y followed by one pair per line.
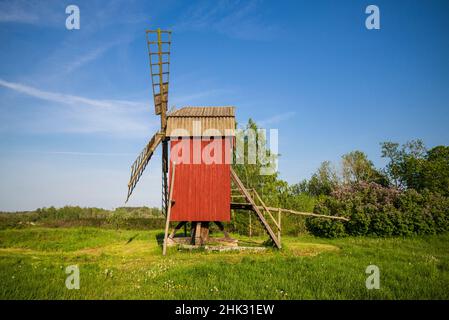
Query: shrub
x,y
325,228
381,211
359,224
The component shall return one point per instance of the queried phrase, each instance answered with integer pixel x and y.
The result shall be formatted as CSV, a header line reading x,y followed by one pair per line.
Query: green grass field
x,y
127,264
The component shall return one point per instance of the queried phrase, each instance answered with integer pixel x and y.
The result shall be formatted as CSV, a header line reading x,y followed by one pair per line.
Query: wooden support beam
x,y
204,233
248,206
279,224
250,226
265,208
170,196
197,237
178,226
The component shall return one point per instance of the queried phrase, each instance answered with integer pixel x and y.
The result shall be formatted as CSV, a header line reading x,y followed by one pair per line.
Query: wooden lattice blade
x,y
160,103
141,162
159,43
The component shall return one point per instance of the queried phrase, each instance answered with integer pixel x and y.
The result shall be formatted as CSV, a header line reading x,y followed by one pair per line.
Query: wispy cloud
x,y
276,118
88,57
236,19
18,16
79,153
68,98
96,154
83,58
95,15
29,12
11,11
86,115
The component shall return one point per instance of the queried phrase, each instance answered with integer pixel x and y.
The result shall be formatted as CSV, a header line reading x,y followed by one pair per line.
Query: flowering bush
x,y
375,210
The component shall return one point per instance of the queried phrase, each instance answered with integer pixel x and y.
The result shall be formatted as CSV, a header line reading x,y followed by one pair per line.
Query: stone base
x,y
226,242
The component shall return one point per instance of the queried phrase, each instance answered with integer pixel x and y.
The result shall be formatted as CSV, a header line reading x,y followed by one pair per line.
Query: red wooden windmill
x,y
199,162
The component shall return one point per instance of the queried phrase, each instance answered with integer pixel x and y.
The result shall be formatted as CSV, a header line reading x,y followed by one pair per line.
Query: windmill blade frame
x,y
141,162
159,56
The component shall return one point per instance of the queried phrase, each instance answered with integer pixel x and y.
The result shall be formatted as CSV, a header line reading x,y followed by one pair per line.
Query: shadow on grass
x,y
132,238
160,239
252,242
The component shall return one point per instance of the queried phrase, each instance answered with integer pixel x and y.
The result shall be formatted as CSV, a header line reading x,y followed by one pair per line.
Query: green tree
x,y
405,163
357,168
435,170
273,190
412,166
324,181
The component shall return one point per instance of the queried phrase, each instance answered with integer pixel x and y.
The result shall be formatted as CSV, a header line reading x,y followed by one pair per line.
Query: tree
x,y
324,181
391,151
435,170
412,166
405,163
300,187
272,189
357,168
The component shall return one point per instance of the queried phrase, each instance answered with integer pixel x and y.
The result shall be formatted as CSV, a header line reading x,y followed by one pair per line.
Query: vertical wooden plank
x,y
197,240
192,232
280,227
167,222
250,226
204,232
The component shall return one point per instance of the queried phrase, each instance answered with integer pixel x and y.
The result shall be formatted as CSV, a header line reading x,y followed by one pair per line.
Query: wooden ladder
x,y
256,209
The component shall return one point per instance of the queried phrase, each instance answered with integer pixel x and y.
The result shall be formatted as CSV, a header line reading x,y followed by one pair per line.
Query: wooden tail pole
x,y
167,222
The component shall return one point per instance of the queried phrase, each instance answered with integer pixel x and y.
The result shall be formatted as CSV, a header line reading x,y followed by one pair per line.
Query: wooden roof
x,y
226,111
193,121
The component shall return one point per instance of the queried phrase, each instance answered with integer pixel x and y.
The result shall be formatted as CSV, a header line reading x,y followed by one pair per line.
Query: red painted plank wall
x,y
202,190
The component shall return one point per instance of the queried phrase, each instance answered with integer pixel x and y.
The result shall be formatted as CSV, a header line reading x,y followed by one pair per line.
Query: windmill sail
x,y
141,162
159,42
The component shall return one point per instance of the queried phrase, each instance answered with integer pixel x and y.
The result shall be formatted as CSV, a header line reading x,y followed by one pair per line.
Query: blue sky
x,y
76,106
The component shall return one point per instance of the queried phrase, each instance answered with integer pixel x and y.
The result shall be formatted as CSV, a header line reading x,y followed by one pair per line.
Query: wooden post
x,y
167,222
197,239
279,224
192,232
250,226
204,232
185,229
